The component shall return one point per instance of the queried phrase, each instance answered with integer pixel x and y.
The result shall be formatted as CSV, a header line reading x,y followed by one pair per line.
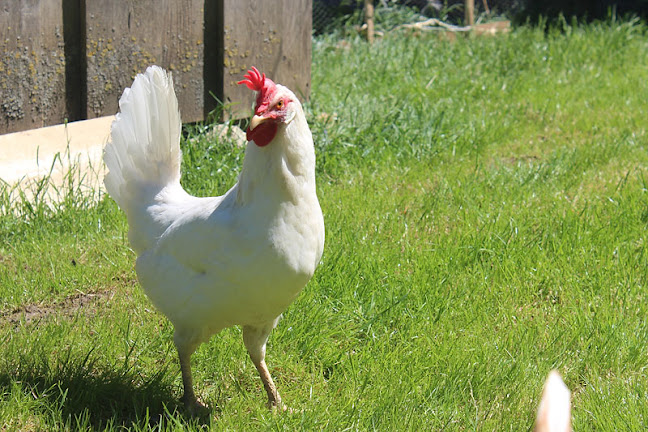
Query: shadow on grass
x,y
82,396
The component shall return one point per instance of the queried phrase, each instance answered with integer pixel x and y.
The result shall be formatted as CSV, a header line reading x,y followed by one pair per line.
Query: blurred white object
x,y
554,411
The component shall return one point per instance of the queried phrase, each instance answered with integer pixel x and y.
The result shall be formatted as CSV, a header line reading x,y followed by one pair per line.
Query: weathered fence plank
x,y
124,37
274,36
32,64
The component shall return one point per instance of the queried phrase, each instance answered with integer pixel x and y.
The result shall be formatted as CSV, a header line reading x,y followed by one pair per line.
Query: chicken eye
x,y
280,104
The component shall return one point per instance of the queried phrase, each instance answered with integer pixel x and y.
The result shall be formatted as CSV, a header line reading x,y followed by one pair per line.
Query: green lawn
x,y
486,207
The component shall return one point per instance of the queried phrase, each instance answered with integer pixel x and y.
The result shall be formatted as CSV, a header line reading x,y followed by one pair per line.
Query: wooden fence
x,y
71,59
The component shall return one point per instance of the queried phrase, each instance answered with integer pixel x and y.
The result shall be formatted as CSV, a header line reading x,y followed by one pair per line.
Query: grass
x,y
486,209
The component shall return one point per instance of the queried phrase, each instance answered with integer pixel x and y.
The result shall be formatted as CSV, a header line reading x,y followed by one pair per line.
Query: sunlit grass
x,y
486,211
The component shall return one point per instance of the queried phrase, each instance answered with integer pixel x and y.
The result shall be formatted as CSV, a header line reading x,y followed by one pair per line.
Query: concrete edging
x,y
30,155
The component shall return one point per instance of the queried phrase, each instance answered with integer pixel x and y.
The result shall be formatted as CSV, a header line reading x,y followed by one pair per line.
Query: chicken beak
x,y
257,120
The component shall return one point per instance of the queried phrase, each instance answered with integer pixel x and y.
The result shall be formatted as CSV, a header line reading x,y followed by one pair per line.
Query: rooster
x,y
216,262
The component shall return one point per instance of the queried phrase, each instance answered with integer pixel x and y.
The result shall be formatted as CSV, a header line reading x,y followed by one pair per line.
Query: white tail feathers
x,y
554,411
144,155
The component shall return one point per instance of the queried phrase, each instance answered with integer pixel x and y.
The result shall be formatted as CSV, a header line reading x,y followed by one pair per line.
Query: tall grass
x,y
486,211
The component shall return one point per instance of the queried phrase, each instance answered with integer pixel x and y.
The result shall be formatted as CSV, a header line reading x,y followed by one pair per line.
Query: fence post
x,y
369,18
469,6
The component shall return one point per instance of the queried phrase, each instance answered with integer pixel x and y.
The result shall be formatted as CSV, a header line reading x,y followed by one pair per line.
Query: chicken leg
x,y
255,339
186,345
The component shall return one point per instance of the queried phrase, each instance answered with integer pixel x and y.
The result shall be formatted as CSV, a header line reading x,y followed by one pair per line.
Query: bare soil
x,y
80,303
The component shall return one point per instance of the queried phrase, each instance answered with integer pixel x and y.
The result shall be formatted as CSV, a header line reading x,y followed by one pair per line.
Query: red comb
x,y
254,80
258,82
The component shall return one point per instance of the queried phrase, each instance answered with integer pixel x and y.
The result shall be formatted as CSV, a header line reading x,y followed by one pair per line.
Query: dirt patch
x,y
523,158
85,303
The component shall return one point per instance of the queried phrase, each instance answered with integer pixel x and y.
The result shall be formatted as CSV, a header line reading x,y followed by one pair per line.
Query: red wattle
x,y
263,134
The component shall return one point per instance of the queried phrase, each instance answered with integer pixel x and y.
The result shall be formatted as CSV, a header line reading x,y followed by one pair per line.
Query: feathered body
x,y
211,263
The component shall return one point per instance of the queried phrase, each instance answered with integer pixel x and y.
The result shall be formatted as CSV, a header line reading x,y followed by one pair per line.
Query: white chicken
x,y
236,259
